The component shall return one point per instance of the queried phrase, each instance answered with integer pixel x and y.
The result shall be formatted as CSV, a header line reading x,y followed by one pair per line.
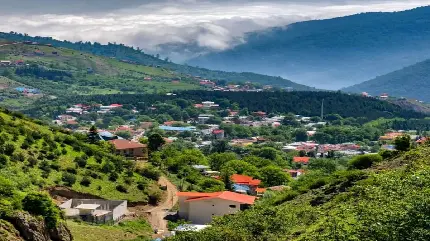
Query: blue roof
x,y
106,134
173,128
238,187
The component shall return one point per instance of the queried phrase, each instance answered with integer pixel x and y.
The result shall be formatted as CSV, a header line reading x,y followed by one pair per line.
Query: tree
x,y
273,176
69,179
403,143
217,160
364,161
211,185
240,167
155,141
325,165
40,204
290,120
93,135
124,134
300,135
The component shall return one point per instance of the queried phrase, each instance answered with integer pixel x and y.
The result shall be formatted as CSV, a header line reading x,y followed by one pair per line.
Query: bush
x,y
121,188
41,204
32,161
81,161
69,179
18,157
364,161
151,173
113,176
72,170
3,160
86,181
142,185
8,149
154,196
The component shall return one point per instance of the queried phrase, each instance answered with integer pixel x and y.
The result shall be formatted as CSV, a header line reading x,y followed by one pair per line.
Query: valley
x,y
106,142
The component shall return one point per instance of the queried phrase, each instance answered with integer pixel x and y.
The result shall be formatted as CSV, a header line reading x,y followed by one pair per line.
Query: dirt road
x,y
157,213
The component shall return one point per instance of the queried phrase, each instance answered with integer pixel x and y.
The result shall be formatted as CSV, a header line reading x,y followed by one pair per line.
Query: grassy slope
x,y
130,54
387,202
127,230
29,178
109,76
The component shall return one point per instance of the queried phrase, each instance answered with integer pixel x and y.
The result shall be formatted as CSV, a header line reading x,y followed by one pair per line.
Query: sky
x,y
211,24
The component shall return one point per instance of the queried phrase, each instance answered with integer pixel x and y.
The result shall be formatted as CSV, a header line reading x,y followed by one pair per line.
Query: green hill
x,y
66,72
410,82
34,158
389,201
129,54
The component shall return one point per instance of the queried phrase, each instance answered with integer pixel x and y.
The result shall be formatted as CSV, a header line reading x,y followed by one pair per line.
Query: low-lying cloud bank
x,y
210,25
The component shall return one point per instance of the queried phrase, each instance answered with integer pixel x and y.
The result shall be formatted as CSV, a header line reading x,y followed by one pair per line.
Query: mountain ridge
x,y
331,53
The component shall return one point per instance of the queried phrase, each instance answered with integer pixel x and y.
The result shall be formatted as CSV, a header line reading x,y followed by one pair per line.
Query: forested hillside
x,y
332,53
125,53
302,102
34,158
410,82
388,201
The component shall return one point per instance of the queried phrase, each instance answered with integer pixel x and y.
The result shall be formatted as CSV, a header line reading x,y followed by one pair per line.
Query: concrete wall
x,y
183,207
119,211
201,212
118,208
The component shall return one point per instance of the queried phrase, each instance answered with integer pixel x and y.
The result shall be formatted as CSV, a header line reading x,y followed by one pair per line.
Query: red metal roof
x,y
217,131
121,144
299,159
242,179
226,195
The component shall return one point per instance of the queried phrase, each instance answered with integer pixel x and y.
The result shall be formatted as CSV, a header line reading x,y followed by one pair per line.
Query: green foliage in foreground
x,y
371,204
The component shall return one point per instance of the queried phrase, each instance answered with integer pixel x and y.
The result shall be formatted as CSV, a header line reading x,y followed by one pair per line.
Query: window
x,y
232,206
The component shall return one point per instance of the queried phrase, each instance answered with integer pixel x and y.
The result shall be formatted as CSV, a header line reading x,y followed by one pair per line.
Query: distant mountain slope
x,y
332,53
411,82
122,52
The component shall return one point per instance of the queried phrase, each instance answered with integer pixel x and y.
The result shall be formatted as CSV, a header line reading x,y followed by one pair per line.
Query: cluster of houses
x,y
323,149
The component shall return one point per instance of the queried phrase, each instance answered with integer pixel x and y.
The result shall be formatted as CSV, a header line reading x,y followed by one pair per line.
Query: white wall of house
x,y
201,212
119,211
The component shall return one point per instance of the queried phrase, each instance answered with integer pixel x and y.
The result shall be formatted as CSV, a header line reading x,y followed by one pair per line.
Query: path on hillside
x,y
158,213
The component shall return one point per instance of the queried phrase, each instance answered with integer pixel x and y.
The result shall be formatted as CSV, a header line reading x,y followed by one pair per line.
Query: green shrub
x,y
81,161
41,204
151,173
32,161
72,170
154,196
113,176
364,161
86,181
8,149
3,160
121,188
18,157
68,178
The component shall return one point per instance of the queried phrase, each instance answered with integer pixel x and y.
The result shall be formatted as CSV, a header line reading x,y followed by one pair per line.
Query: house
x,y
95,210
200,208
244,184
259,114
219,134
130,149
5,62
294,173
203,118
302,160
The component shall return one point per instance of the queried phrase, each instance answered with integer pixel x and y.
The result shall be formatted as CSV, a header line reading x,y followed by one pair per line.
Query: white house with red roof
x,y
200,208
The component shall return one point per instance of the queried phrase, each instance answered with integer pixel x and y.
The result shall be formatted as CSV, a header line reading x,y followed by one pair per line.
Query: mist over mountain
x,y
333,53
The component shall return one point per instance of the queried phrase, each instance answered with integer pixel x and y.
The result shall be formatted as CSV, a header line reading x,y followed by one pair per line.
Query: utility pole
x,y
322,109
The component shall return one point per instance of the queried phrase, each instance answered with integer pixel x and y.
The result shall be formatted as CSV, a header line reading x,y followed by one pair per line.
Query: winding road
x,y
158,213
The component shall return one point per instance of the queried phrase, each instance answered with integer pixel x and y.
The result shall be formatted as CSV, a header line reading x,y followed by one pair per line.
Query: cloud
x,y
214,24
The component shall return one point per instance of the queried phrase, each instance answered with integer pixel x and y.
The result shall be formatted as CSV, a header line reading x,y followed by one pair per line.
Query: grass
x,y
127,230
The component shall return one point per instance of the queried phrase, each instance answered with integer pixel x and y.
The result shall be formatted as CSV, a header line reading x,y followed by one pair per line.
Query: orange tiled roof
x,y
226,195
242,179
121,144
299,159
